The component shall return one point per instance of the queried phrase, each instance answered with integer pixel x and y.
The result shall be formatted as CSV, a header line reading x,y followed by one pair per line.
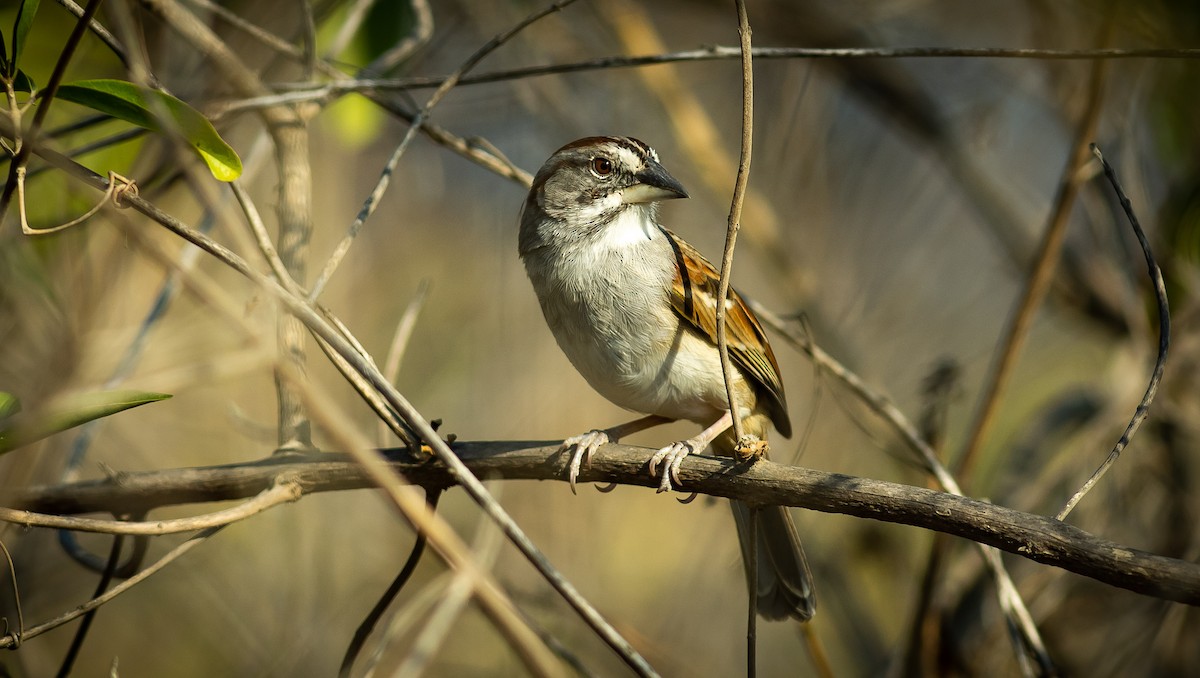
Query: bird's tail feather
x,y
785,587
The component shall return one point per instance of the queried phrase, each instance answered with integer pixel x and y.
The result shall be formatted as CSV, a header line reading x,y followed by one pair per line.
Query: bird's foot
x,y
584,445
671,457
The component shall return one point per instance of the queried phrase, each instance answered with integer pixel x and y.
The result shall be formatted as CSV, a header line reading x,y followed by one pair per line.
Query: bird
x,y
633,307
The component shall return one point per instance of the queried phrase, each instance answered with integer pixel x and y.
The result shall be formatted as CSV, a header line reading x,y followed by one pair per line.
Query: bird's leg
x,y
672,455
587,443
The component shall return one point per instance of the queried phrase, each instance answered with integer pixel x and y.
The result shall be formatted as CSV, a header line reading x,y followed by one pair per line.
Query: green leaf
x,y
140,106
69,413
9,405
3,56
21,26
23,83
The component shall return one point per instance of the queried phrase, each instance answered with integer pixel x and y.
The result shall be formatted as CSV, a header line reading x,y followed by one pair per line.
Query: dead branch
x,y
1039,538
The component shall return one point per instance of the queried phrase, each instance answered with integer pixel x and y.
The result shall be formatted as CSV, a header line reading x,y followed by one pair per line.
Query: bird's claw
x,y
670,457
585,445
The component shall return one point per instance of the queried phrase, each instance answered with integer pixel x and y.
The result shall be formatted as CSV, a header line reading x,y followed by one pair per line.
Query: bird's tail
x,y
785,586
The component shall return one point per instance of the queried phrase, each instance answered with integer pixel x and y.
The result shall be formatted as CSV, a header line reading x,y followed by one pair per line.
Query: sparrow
x,y
633,307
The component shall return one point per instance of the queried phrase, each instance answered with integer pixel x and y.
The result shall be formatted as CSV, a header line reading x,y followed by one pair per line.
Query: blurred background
x,y
895,204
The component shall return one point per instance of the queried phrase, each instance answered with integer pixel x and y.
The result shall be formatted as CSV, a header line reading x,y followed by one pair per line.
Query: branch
x,y
1031,536
280,492
725,53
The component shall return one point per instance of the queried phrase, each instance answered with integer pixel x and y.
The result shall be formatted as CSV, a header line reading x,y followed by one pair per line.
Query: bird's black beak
x,y
654,183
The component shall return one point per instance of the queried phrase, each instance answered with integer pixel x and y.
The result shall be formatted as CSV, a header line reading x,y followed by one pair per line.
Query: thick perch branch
x,y
1036,537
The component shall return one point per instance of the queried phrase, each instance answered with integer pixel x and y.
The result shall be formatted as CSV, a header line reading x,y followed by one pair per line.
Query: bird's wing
x,y
693,296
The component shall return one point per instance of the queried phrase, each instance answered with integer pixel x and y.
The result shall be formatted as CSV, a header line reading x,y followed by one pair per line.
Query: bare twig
x,y
114,558
264,37
16,171
882,406
369,205
735,221
435,629
19,633
288,130
1164,342
9,641
117,185
98,29
387,418
492,599
725,53
877,402
385,600
283,492
399,343
1040,276
752,598
422,31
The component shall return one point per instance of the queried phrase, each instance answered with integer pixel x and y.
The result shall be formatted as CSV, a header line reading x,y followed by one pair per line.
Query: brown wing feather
x,y
693,297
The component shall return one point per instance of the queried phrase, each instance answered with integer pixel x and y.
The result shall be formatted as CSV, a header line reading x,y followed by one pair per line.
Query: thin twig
x,y
877,402
9,641
891,414
735,222
19,634
387,418
724,53
254,31
114,558
440,621
923,630
99,30
1164,341
308,38
372,201
284,492
406,571
492,598
752,587
1040,276
117,186
399,343
16,171
420,35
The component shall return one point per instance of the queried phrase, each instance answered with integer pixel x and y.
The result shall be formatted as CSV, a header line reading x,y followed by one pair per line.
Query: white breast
x,y
607,304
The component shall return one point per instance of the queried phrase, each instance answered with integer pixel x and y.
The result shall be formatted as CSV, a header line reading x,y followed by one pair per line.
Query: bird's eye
x,y
602,166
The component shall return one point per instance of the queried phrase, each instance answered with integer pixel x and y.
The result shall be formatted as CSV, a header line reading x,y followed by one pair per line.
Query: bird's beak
x,y
653,184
